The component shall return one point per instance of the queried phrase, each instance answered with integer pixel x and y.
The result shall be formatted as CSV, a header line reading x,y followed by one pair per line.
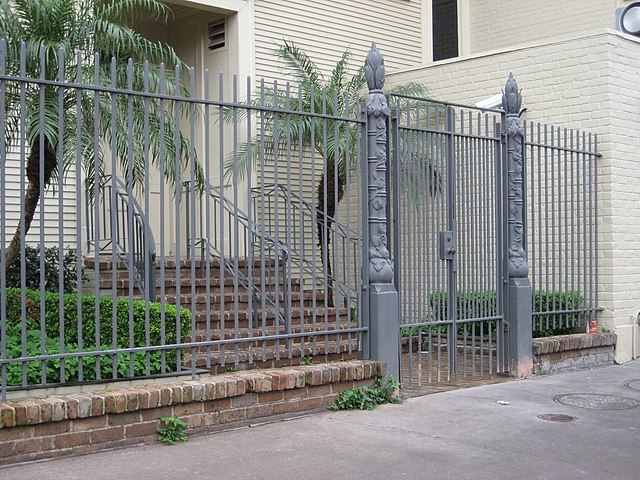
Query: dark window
x,y
445,29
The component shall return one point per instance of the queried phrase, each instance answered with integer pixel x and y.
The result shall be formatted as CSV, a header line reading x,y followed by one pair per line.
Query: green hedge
x,y
70,319
484,304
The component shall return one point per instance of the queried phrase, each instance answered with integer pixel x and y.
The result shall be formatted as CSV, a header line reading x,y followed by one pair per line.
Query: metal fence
x,y
447,213
211,232
452,206
562,181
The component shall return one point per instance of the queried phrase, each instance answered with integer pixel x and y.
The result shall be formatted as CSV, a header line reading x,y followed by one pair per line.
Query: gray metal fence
x,y
448,228
562,181
209,232
457,199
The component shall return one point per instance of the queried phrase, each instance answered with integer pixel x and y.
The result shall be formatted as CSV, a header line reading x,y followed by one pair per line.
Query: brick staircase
x,y
249,326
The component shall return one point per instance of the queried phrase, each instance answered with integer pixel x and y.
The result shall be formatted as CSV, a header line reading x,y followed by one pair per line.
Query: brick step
x,y
254,335
240,358
213,300
186,284
257,273
171,263
267,268
306,314
258,322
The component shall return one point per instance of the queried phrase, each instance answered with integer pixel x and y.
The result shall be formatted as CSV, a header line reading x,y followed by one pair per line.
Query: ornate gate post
x,y
383,297
518,307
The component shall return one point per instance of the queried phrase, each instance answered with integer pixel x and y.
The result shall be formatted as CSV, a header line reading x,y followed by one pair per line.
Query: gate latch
x,y
446,245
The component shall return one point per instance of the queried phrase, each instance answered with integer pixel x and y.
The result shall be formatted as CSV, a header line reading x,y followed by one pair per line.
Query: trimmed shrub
x,y
484,304
125,364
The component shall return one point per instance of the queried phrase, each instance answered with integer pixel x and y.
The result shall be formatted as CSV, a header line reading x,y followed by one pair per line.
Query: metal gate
x,y
446,209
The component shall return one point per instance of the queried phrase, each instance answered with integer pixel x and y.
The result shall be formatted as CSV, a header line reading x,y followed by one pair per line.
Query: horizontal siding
x,y
52,220
325,29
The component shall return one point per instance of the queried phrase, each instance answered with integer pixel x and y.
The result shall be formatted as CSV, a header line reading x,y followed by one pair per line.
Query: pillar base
x,y
519,336
384,327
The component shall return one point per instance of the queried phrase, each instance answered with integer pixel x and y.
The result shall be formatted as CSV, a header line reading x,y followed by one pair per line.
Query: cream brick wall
x,y
496,23
588,83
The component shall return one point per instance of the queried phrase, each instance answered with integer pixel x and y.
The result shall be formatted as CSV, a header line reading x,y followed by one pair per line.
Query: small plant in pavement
x,y
368,398
173,430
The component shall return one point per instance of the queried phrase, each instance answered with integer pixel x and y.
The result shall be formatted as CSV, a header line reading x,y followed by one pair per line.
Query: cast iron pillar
x,y
518,308
384,325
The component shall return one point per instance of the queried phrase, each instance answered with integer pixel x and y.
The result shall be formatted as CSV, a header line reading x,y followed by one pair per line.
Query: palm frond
x,y
336,80
299,63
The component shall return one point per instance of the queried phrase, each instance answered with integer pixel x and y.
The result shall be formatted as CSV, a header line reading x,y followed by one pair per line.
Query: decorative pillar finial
x,y
374,68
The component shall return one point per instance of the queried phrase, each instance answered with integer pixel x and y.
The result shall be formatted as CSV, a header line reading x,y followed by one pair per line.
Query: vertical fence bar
x,y
396,209
451,226
500,217
596,238
59,154
262,215
250,234
236,221
191,220
111,220
162,165
147,211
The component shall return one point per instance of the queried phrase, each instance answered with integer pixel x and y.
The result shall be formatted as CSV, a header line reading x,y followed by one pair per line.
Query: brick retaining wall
x,y
39,428
564,353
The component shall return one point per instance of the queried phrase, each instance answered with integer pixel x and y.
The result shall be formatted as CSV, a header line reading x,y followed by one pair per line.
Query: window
x,y
445,29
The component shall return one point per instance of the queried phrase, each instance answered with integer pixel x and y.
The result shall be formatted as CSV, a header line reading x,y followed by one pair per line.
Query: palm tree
x,y
73,41
339,95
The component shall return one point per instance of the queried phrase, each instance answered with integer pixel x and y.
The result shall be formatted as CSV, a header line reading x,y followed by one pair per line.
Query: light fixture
x,y
493,101
628,19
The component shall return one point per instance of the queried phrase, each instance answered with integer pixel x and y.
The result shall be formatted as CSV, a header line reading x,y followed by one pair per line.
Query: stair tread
x,y
201,298
296,312
105,263
242,356
257,332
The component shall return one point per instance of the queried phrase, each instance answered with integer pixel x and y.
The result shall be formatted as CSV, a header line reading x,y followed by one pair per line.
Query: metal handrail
x,y
344,232
118,235
256,235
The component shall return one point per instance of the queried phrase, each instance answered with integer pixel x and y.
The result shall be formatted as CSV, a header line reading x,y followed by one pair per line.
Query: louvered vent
x,y
216,34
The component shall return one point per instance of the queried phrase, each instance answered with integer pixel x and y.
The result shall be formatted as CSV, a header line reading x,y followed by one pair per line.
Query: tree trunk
x,y
328,177
32,195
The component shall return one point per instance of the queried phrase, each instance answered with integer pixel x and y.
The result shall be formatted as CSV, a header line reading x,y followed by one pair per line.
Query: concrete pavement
x,y
462,434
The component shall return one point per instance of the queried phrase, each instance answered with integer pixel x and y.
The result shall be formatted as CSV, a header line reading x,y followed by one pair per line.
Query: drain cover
x,y
632,384
556,417
597,401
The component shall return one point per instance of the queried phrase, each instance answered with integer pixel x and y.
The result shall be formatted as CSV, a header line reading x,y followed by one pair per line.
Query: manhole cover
x,y
632,384
597,401
556,417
